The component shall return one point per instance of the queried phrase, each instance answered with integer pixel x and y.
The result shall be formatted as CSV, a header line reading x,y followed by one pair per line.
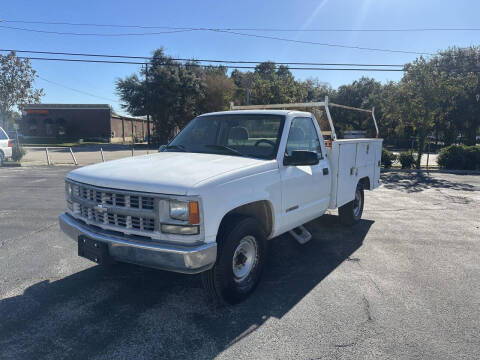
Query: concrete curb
x,y
442,171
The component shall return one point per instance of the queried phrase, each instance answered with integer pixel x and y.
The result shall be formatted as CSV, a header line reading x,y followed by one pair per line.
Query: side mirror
x,y
301,157
162,148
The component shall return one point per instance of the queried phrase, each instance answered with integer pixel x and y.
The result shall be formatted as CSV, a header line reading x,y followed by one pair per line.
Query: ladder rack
x,y
321,104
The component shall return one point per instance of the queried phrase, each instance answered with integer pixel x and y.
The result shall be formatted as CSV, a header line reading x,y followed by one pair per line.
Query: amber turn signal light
x,y
194,213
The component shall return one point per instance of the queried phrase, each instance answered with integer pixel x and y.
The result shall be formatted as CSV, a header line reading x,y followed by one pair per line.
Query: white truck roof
x,y
259,111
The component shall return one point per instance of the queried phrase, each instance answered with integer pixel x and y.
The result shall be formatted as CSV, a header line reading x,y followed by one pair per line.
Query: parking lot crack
x,y
345,345
357,261
367,308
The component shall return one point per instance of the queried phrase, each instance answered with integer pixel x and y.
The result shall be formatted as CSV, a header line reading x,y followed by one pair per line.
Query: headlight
x,y
179,210
185,210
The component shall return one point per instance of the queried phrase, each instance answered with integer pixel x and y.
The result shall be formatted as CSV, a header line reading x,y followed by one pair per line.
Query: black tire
x,y
351,213
2,159
224,283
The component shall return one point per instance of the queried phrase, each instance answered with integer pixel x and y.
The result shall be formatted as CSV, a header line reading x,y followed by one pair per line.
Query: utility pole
x,y
146,103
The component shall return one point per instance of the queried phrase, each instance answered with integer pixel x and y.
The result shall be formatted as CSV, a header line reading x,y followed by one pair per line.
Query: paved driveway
x,y
401,284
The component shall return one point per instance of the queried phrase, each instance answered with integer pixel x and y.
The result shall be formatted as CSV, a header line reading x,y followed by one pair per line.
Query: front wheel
x,y
351,212
240,260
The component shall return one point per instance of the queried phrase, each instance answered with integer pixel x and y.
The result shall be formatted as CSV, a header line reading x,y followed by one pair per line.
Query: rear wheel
x,y
240,260
351,212
2,159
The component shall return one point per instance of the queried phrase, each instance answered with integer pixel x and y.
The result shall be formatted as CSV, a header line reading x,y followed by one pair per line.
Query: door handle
x,y
325,171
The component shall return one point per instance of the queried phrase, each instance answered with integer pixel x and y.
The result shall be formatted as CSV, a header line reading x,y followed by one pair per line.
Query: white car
x,y
210,201
5,147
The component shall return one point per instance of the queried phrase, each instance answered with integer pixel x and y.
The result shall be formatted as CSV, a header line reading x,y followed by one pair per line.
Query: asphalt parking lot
x,y
401,284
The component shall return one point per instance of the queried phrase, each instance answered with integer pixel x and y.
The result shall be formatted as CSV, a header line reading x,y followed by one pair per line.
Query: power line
x,y
226,32
321,44
198,65
195,60
93,34
246,29
83,60
475,70
76,90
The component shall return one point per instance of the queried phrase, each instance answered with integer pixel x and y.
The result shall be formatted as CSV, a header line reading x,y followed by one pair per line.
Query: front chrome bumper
x,y
184,259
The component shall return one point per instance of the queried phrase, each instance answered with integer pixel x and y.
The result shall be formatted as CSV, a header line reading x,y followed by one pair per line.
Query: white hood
x,y
163,173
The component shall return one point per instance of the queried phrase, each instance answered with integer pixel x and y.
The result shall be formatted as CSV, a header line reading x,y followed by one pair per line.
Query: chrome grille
x,y
127,212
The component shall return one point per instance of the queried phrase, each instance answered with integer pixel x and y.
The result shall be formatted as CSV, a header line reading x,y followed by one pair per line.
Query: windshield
x,y
251,135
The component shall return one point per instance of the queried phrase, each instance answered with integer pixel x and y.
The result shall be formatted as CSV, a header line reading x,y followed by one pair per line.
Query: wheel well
x,y
365,182
260,210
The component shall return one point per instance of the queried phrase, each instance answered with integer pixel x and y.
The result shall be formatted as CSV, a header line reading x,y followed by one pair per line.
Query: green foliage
x,y
363,93
406,159
388,158
436,97
18,152
460,69
174,93
16,85
459,157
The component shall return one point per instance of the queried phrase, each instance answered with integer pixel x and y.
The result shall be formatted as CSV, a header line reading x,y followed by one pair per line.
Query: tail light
x,y
9,143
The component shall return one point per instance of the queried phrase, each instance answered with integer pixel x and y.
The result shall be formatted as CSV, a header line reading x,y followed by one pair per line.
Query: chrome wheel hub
x,y
245,258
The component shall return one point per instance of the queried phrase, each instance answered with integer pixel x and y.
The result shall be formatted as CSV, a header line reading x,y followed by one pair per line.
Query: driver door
x,y
305,189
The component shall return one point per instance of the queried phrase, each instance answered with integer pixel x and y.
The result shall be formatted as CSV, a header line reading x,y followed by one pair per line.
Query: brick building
x,y
80,121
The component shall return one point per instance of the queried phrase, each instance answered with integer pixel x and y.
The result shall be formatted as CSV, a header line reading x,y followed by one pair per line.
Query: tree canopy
x,y
16,85
436,98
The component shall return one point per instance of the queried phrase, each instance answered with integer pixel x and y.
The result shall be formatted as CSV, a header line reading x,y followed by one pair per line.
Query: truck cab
x,y
212,198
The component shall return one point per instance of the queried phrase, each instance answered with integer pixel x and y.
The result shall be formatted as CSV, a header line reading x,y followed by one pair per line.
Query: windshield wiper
x,y
180,147
223,147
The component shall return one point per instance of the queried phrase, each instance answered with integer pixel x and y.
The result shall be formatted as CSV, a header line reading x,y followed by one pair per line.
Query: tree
x,y
175,93
16,84
418,100
363,93
12,117
312,90
389,118
272,85
219,90
462,65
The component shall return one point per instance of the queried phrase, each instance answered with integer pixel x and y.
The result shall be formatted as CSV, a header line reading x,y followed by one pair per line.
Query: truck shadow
x,y
132,312
420,181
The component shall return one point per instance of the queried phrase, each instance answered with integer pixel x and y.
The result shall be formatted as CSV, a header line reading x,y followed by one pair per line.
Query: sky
x,y
59,78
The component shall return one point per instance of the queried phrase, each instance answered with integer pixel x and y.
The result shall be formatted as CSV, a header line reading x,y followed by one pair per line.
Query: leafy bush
x,y
388,158
18,152
406,160
459,157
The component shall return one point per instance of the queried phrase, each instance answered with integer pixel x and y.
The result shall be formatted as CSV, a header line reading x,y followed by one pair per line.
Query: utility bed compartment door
x,y
347,173
366,154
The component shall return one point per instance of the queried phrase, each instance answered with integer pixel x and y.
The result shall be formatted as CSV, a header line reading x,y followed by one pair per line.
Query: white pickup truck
x,y
209,201
5,147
